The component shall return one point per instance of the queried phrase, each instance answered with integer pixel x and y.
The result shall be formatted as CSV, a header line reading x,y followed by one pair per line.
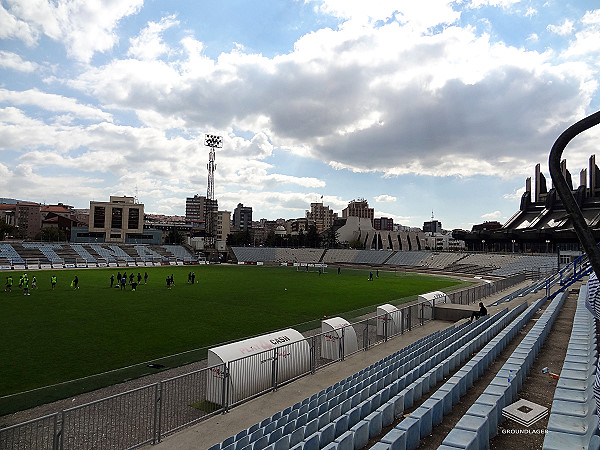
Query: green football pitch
x,y
53,336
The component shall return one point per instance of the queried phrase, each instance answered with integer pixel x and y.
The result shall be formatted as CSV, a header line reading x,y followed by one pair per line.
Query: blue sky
x,y
436,105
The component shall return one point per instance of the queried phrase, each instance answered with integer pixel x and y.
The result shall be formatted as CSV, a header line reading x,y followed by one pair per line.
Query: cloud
x,y
12,27
53,102
495,215
467,102
420,16
83,27
586,41
497,3
385,198
564,29
9,60
148,44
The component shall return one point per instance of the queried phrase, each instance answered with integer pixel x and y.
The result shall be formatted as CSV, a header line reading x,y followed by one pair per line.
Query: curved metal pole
x,y
583,232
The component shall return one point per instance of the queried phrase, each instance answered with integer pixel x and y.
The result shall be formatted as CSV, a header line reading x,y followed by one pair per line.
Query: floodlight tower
x,y
212,141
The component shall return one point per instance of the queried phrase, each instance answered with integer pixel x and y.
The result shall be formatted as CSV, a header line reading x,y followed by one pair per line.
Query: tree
x,y
174,237
331,237
51,234
5,229
357,244
239,238
313,239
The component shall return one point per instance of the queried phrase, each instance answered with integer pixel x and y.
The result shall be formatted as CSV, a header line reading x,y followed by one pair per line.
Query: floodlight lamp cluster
x,y
213,141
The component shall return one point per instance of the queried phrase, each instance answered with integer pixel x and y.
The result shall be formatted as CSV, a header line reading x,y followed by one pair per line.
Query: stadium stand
x,y
349,413
302,255
83,253
481,421
573,421
179,253
253,254
18,256
371,257
10,255
145,253
340,256
407,258
47,250
441,260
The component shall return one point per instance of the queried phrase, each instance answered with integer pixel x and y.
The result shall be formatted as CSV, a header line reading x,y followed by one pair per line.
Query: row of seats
x,y
60,255
480,422
304,418
10,254
361,405
573,422
307,255
389,370
408,433
498,264
371,257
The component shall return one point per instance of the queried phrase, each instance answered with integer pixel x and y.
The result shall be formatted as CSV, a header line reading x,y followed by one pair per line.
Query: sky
x,y
420,107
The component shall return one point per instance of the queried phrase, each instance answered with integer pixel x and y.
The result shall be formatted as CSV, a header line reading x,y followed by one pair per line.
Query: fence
x,y
472,294
146,414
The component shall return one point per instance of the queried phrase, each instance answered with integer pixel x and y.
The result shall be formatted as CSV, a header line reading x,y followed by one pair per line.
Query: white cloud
x,y
83,27
564,29
12,27
419,16
148,44
495,215
53,102
587,40
497,3
335,98
9,60
385,198
515,195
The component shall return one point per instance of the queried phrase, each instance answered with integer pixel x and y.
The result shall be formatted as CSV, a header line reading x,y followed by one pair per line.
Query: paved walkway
x,y
218,428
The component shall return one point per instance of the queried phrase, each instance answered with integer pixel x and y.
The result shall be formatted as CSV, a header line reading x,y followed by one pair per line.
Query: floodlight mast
x,y
212,141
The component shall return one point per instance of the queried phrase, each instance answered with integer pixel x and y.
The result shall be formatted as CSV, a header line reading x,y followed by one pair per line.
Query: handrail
x,y
581,229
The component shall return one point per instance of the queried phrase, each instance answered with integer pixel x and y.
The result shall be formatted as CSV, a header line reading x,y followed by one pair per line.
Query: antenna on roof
x,y
432,214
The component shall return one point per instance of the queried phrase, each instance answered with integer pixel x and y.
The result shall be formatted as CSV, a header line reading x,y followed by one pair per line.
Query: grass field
x,y
54,336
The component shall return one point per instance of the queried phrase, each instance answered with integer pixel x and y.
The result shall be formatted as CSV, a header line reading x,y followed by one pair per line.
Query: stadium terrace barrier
x,y
473,294
146,414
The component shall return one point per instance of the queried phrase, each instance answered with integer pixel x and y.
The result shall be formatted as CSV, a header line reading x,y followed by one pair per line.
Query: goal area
x,y
311,267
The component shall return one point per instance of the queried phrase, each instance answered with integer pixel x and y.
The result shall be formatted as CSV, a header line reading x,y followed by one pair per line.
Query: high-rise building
x,y
223,225
434,226
359,208
28,219
118,220
194,209
242,217
322,216
383,223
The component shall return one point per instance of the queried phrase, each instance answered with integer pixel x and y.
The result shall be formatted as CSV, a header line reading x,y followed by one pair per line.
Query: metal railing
x,y
472,294
146,414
